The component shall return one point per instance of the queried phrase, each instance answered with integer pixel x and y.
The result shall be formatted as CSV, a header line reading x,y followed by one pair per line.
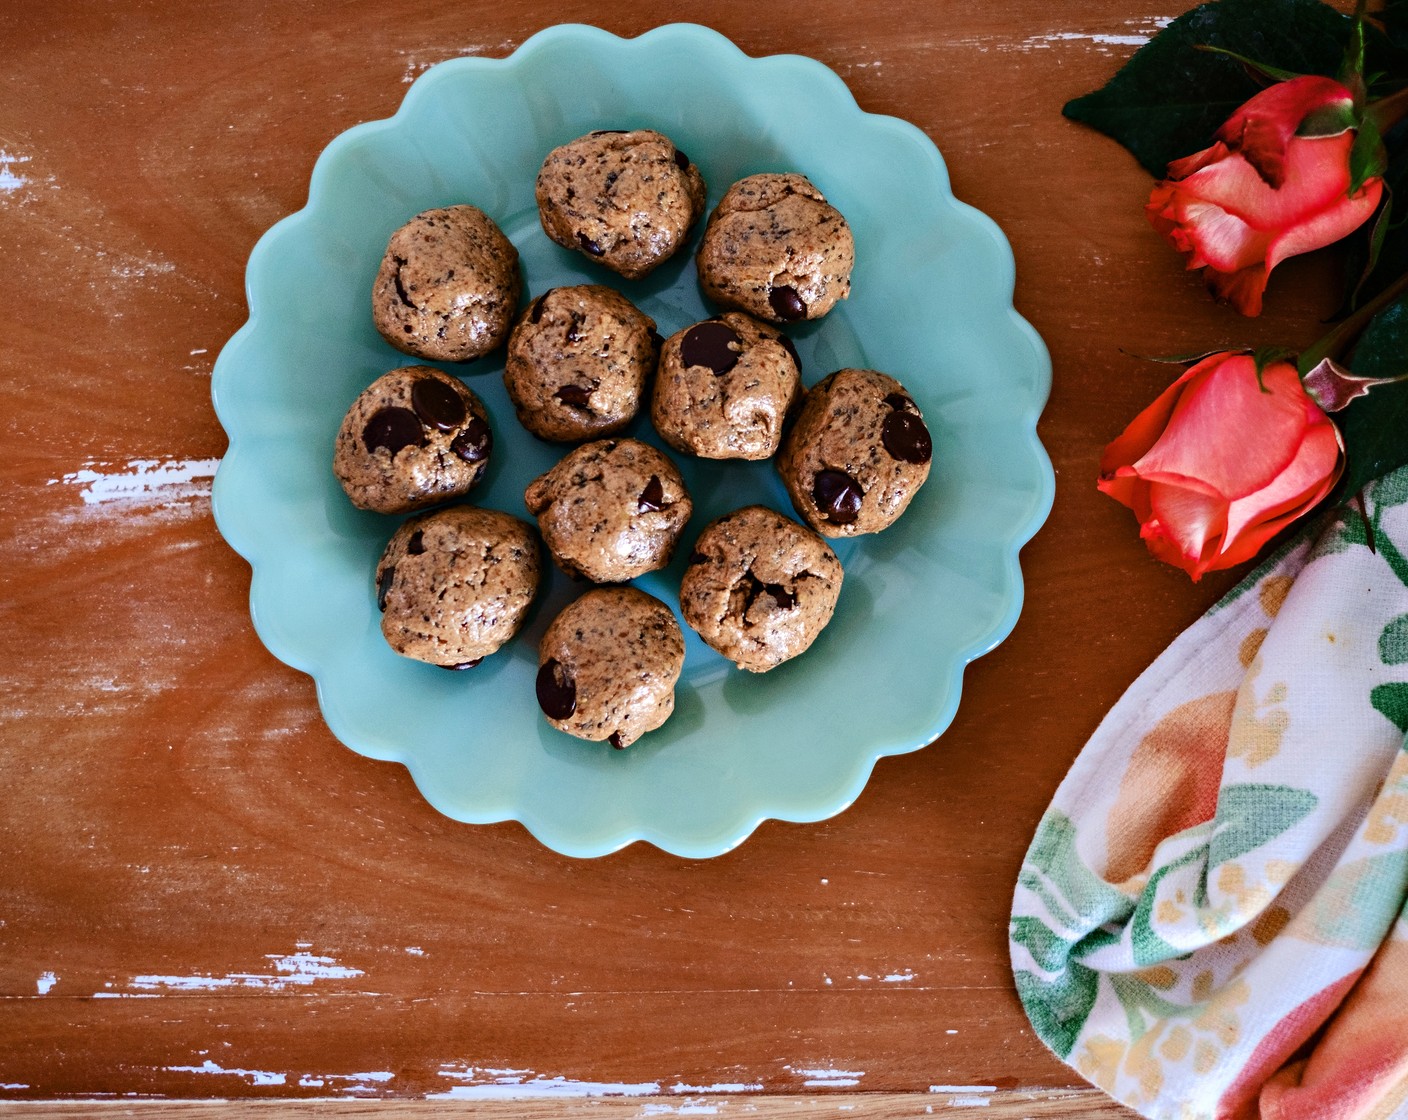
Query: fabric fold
x,y
1211,922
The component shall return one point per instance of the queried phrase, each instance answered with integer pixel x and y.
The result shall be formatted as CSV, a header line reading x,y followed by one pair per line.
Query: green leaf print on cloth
x,y
1222,877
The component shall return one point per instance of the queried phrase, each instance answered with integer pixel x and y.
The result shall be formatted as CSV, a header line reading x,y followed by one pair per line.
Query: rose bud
x,y
1219,465
1275,184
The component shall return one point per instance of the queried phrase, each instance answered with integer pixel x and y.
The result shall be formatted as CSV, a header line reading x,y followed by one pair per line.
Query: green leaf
x,y
1329,120
1171,97
1274,73
1059,1008
1393,642
1049,949
1375,426
1054,865
1251,814
1367,157
1395,20
1391,700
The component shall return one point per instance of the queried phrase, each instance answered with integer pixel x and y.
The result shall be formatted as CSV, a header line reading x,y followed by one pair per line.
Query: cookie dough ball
x,y
415,437
454,585
625,199
611,510
857,454
608,664
447,287
578,362
724,388
774,247
759,587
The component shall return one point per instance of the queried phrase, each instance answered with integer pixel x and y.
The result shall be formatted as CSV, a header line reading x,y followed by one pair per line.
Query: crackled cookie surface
x,y
724,388
453,585
448,285
857,454
611,510
759,587
626,200
415,437
774,247
579,361
608,664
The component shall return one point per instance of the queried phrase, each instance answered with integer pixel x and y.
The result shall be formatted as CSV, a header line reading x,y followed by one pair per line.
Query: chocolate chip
x,y
652,498
681,160
792,351
384,580
578,396
475,442
786,304
416,545
708,344
906,438
837,495
463,665
590,247
535,312
900,403
615,741
393,429
609,132
437,404
696,558
557,692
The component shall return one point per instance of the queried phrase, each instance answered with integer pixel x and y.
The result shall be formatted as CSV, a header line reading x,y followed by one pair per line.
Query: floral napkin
x,y
1211,920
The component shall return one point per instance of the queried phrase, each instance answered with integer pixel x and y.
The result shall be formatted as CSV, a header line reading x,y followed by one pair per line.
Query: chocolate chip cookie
x,y
626,200
774,247
453,585
724,388
579,360
611,510
857,454
608,664
416,436
448,286
759,587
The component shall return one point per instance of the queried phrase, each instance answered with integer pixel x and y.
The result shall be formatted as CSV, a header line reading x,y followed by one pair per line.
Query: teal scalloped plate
x,y
931,305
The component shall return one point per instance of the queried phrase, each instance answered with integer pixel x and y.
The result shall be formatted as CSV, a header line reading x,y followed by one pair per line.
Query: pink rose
x,y
1216,466
1263,192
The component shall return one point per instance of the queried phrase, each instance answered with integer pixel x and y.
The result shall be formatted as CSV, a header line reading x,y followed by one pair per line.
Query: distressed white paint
x,y
298,969
46,983
417,65
719,1087
255,1076
148,481
685,1108
827,1078
347,1082
415,950
898,977
14,1085
962,1088
9,181
503,1084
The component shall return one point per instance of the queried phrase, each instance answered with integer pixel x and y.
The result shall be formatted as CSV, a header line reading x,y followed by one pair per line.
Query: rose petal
x,y
1229,433
1220,239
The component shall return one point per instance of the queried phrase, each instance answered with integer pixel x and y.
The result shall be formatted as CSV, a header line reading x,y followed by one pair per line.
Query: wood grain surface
x,y
205,896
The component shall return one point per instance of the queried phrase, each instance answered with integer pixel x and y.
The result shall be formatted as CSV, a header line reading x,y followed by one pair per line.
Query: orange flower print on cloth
x,y
1265,190
1212,920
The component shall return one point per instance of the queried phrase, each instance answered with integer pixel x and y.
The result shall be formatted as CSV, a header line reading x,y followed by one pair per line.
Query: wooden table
x,y
205,896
